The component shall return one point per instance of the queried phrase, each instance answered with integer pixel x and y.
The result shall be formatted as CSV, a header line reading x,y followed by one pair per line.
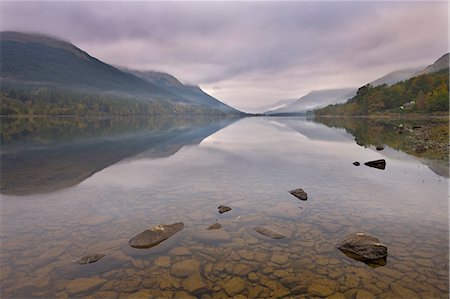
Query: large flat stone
x,y
155,235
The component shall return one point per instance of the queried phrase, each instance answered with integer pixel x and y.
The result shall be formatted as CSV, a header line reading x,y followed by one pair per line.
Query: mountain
x,y
440,64
192,93
325,97
33,64
396,76
279,104
313,100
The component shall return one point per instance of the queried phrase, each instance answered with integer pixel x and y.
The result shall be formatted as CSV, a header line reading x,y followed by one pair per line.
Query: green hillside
x,y
427,93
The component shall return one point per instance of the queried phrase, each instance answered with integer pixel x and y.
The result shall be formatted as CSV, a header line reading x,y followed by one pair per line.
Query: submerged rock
x,y
356,163
234,286
268,232
185,268
155,235
218,234
299,193
88,259
380,164
223,209
216,225
80,285
364,248
194,283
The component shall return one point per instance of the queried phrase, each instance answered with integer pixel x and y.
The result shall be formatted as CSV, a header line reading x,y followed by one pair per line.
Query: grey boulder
x,y
154,236
363,247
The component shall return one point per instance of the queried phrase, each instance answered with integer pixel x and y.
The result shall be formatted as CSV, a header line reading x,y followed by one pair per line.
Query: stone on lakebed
x,y
364,248
154,236
89,259
266,231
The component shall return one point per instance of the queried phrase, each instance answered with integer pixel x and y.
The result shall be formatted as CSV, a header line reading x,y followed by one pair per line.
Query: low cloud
x,y
247,54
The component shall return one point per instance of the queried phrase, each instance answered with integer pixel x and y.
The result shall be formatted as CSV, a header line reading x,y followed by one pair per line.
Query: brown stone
x,y
234,286
180,251
163,262
83,284
216,225
242,269
269,232
193,283
280,258
185,268
91,258
320,290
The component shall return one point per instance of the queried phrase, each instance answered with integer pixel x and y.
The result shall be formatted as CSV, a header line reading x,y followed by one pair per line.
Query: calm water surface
x,y
76,187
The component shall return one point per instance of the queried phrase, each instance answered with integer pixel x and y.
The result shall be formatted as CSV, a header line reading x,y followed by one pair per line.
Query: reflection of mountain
x,y
46,155
313,130
426,140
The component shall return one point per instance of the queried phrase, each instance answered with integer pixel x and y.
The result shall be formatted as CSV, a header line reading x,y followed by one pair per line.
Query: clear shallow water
x,y
92,190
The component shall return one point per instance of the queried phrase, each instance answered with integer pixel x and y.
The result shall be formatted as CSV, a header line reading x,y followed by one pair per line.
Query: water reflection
x,y
425,139
249,166
48,154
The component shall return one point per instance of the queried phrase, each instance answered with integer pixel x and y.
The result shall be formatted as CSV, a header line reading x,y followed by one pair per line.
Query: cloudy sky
x,y
248,54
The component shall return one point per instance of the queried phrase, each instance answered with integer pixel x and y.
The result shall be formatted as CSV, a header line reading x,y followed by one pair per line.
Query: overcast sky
x,y
247,54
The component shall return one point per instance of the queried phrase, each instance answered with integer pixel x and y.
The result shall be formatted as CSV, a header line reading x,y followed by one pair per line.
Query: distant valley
x,y
317,101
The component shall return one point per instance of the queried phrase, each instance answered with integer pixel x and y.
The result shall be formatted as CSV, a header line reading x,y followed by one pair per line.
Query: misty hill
x,y
325,100
56,76
192,93
313,100
396,76
279,104
440,64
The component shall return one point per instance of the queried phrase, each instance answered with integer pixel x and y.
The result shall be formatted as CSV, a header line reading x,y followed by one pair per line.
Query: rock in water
x,y
268,232
223,209
380,164
363,247
356,163
206,235
216,225
89,259
379,148
299,193
155,235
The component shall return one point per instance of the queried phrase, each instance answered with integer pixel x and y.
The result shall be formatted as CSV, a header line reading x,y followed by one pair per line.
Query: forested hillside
x,y
427,93
53,101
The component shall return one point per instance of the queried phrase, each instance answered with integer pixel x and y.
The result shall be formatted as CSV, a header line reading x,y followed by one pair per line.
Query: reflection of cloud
x,y
255,52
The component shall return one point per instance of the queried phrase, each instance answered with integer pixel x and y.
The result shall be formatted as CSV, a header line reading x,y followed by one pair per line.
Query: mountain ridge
x,y
31,62
312,100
